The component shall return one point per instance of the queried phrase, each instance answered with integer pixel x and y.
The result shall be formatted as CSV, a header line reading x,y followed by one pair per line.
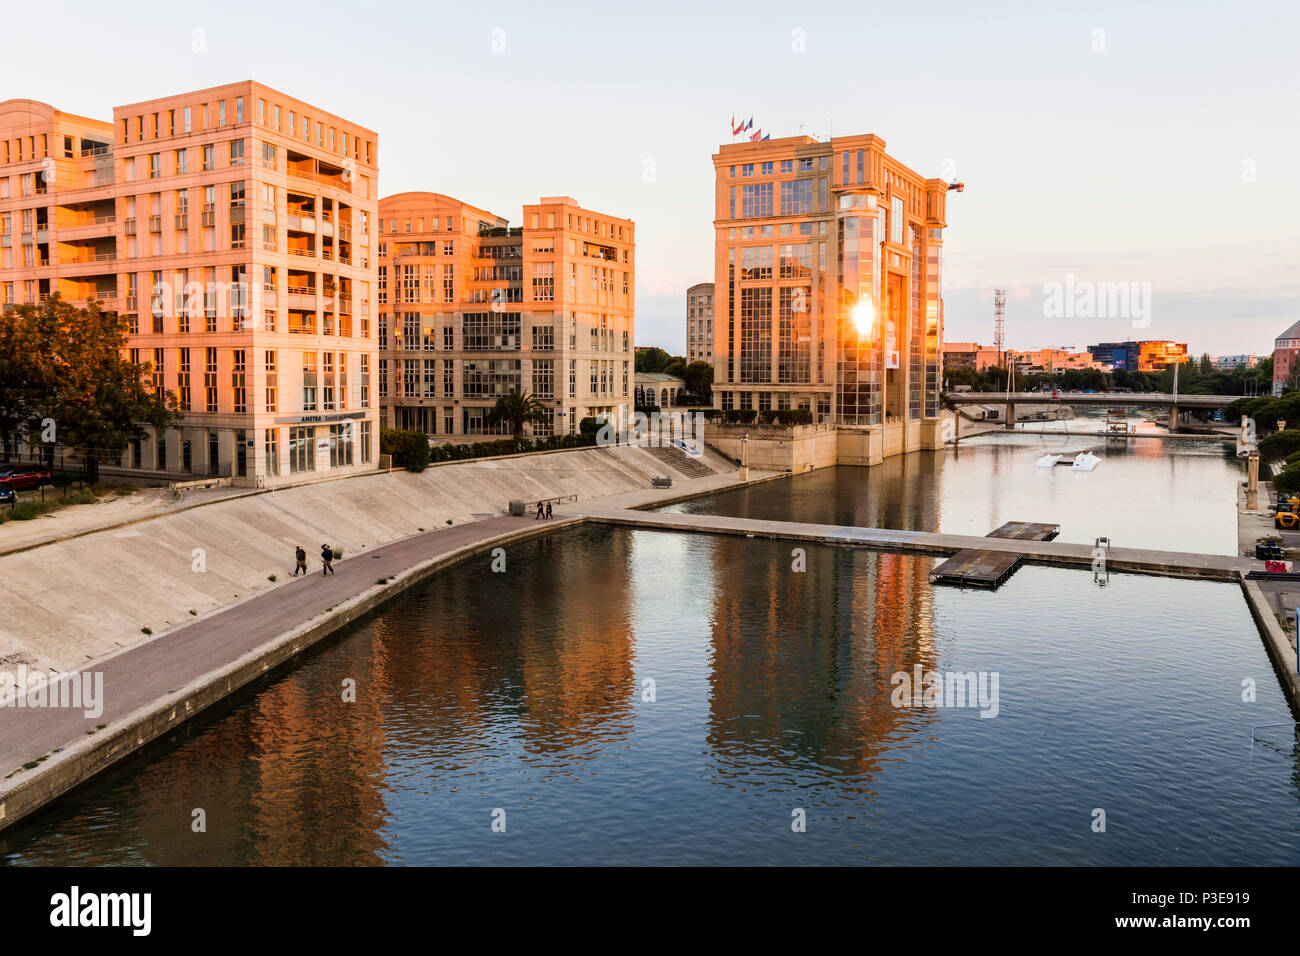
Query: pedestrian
x,y
549,513
540,511
301,557
327,558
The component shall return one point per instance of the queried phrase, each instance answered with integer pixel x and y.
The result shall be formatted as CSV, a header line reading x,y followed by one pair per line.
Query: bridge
x,y
1177,404
1132,399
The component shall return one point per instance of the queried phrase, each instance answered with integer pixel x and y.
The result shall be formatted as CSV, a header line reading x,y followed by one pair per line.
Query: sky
x,y
1148,144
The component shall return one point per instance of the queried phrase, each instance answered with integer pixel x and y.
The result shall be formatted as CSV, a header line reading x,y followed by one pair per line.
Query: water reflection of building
x,y
803,661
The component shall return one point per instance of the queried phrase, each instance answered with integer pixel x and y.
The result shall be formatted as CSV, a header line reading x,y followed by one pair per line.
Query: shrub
x,y
1280,445
1287,481
589,425
410,450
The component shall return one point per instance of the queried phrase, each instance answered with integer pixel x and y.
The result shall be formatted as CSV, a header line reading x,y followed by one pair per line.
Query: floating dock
x,y
975,567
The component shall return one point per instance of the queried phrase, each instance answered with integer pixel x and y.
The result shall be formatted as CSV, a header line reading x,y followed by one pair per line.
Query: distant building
x,y
658,388
970,356
699,323
1286,351
1226,363
1153,355
1055,361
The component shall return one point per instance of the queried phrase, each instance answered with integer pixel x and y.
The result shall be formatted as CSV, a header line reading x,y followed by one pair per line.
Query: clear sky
x,y
1159,150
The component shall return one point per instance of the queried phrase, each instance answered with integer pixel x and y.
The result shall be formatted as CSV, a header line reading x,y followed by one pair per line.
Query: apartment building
x,y
827,285
699,323
471,308
232,227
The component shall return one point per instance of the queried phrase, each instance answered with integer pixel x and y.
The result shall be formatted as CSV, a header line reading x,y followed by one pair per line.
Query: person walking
x,y
327,558
540,511
549,514
300,556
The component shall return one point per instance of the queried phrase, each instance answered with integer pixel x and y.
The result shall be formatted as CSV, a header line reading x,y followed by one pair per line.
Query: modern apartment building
x,y
699,323
232,227
1152,355
470,309
827,285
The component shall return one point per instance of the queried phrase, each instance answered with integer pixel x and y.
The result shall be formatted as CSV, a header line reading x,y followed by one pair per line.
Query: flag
x,y
736,130
755,137
750,124
768,136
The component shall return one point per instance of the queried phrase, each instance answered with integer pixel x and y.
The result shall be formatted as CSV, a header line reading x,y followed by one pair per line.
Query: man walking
x,y
549,513
301,557
327,558
540,512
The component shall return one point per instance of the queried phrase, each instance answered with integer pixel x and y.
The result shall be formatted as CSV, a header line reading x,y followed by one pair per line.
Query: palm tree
x,y
517,409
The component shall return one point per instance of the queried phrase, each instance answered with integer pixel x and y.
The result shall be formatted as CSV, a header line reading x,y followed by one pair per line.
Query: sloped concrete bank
x,y
77,599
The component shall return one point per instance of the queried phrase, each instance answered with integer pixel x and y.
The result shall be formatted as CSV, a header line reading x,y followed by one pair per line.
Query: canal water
x,y
638,697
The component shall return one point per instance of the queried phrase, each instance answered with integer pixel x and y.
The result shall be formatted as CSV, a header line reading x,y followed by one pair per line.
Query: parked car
x,y
25,476
7,495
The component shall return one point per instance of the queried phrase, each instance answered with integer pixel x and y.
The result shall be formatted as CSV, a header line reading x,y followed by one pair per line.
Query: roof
x,y
659,377
1292,332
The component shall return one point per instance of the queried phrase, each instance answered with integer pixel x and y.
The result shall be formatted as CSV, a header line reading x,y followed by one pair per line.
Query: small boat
x,y
1085,461
1047,461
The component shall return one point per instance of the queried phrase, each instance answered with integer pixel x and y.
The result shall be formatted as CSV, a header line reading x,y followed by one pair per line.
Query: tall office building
x,y
827,285
471,309
699,323
232,228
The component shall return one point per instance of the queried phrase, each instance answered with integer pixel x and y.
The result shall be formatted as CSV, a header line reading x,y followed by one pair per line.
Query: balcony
x,y
128,227
298,251
94,150
155,223
92,257
208,216
302,299
300,324
182,221
300,222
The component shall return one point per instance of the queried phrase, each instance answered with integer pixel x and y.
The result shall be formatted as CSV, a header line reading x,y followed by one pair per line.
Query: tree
x,y
517,409
410,449
699,380
66,371
652,360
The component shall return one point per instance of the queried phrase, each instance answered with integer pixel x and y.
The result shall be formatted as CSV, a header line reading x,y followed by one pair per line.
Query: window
x,y
309,381
239,381
272,446
155,165
208,161
544,282
543,338
236,152
302,449
272,392
239,109
756,200
210,380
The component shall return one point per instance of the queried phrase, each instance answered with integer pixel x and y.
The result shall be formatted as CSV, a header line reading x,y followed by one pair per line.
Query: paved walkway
x,y
142,674
1177,563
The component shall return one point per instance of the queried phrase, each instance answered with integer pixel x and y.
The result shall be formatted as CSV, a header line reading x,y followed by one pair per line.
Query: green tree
x,y
517,409
699,380
69,367
652,360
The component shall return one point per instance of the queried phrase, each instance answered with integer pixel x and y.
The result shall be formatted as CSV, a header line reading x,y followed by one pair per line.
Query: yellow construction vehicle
x,y
1288,513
